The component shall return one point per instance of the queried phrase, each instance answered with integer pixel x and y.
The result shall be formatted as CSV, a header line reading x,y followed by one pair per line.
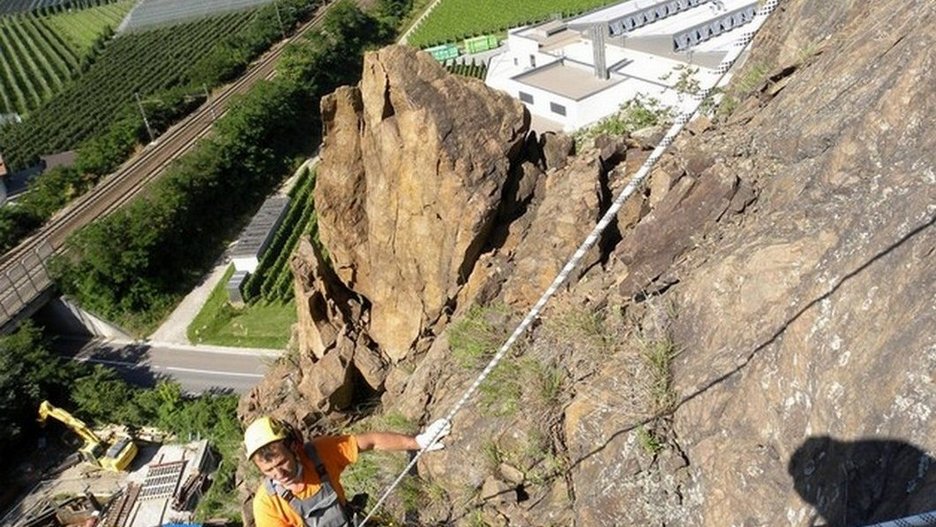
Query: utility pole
x,y
145,120
208,99
278,17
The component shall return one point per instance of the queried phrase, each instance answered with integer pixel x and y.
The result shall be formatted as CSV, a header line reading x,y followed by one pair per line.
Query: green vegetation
x,y
654,381
82,28
259,325
740,87
102,397
374,471
500,393
43,52
47,195
454,20
30,373
166,67
147,64
522,382
658,357
530,382
475,337
131,267
686,81
635,114
474,70
273,279
532,453
649,441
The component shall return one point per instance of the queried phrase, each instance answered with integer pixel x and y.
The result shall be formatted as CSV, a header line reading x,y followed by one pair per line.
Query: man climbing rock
x,y
302,486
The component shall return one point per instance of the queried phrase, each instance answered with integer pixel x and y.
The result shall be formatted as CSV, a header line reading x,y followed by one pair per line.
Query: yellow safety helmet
x,y
262,432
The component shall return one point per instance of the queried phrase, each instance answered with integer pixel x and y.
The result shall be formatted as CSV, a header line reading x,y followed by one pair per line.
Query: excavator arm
x,y
115,458
46,410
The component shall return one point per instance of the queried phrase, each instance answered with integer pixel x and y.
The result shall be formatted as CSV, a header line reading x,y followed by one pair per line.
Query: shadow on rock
x,y
852,483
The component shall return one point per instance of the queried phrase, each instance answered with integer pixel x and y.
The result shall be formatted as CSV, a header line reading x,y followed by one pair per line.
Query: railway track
x,y
23,275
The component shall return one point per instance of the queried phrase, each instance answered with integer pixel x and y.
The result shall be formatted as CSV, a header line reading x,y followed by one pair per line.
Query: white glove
x,y
434,432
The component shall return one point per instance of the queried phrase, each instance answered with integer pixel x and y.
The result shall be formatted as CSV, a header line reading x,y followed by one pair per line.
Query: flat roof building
x,y
255,238
572,73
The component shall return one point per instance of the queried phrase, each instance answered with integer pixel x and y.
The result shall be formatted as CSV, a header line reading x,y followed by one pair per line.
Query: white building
x,y
572,73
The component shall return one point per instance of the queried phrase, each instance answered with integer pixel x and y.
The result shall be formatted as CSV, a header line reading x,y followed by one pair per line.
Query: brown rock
x,y
570,209
556,148
402,164
687,211
511,474
664,175
611,150
370,364
648,138
324,306
497,492
327,383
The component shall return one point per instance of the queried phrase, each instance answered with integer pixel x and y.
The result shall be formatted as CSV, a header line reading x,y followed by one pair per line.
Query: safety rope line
x,y
925,519
679,123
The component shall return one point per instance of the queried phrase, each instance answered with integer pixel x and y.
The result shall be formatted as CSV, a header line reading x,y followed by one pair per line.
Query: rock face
x,y
795,252
750,344
413,168
811,326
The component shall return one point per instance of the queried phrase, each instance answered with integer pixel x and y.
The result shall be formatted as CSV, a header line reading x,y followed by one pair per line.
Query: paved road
x,y
196,368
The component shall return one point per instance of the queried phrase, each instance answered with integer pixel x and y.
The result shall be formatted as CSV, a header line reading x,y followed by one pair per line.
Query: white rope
x,y
680,122
925,519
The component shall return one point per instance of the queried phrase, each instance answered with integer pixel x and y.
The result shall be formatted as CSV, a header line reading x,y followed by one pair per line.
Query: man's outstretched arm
x,y
385,441
393,441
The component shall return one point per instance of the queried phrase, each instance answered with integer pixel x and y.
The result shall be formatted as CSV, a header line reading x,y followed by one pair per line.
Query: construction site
x,y
115,479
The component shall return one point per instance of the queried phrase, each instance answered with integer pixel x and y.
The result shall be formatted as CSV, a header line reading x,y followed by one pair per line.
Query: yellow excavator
x,y
115,457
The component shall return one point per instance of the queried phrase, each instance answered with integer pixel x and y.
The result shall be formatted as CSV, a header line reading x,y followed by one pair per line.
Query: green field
x,y
82,27
454,20
146,63
41,53
259,325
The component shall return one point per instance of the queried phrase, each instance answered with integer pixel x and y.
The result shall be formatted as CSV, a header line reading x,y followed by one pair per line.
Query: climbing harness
x,y
322,509
680,122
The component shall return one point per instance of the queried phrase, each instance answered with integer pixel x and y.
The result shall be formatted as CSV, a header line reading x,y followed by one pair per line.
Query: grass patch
x,y
385,422
372,474
649,441
82,27
477,336
639,112
658,358
500,393
739,89
454,20
374,471
261,325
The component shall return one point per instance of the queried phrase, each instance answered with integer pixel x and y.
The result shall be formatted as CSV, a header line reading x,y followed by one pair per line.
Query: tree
x,y
29,373
103,397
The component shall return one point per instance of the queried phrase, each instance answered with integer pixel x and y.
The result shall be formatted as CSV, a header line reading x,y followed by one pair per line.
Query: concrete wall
x,y
64,317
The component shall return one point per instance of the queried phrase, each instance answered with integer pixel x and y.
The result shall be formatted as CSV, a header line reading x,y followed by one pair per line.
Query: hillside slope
x,y
751,345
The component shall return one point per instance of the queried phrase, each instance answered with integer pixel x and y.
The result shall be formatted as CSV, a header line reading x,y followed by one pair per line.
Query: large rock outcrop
x,y
751,345
413,168
802,321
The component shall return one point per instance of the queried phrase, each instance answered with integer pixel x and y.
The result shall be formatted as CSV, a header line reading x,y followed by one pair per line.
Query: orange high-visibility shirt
x,y
336,452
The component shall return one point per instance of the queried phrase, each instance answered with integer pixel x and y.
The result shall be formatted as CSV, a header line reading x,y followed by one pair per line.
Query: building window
x,y
557,108
526,97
